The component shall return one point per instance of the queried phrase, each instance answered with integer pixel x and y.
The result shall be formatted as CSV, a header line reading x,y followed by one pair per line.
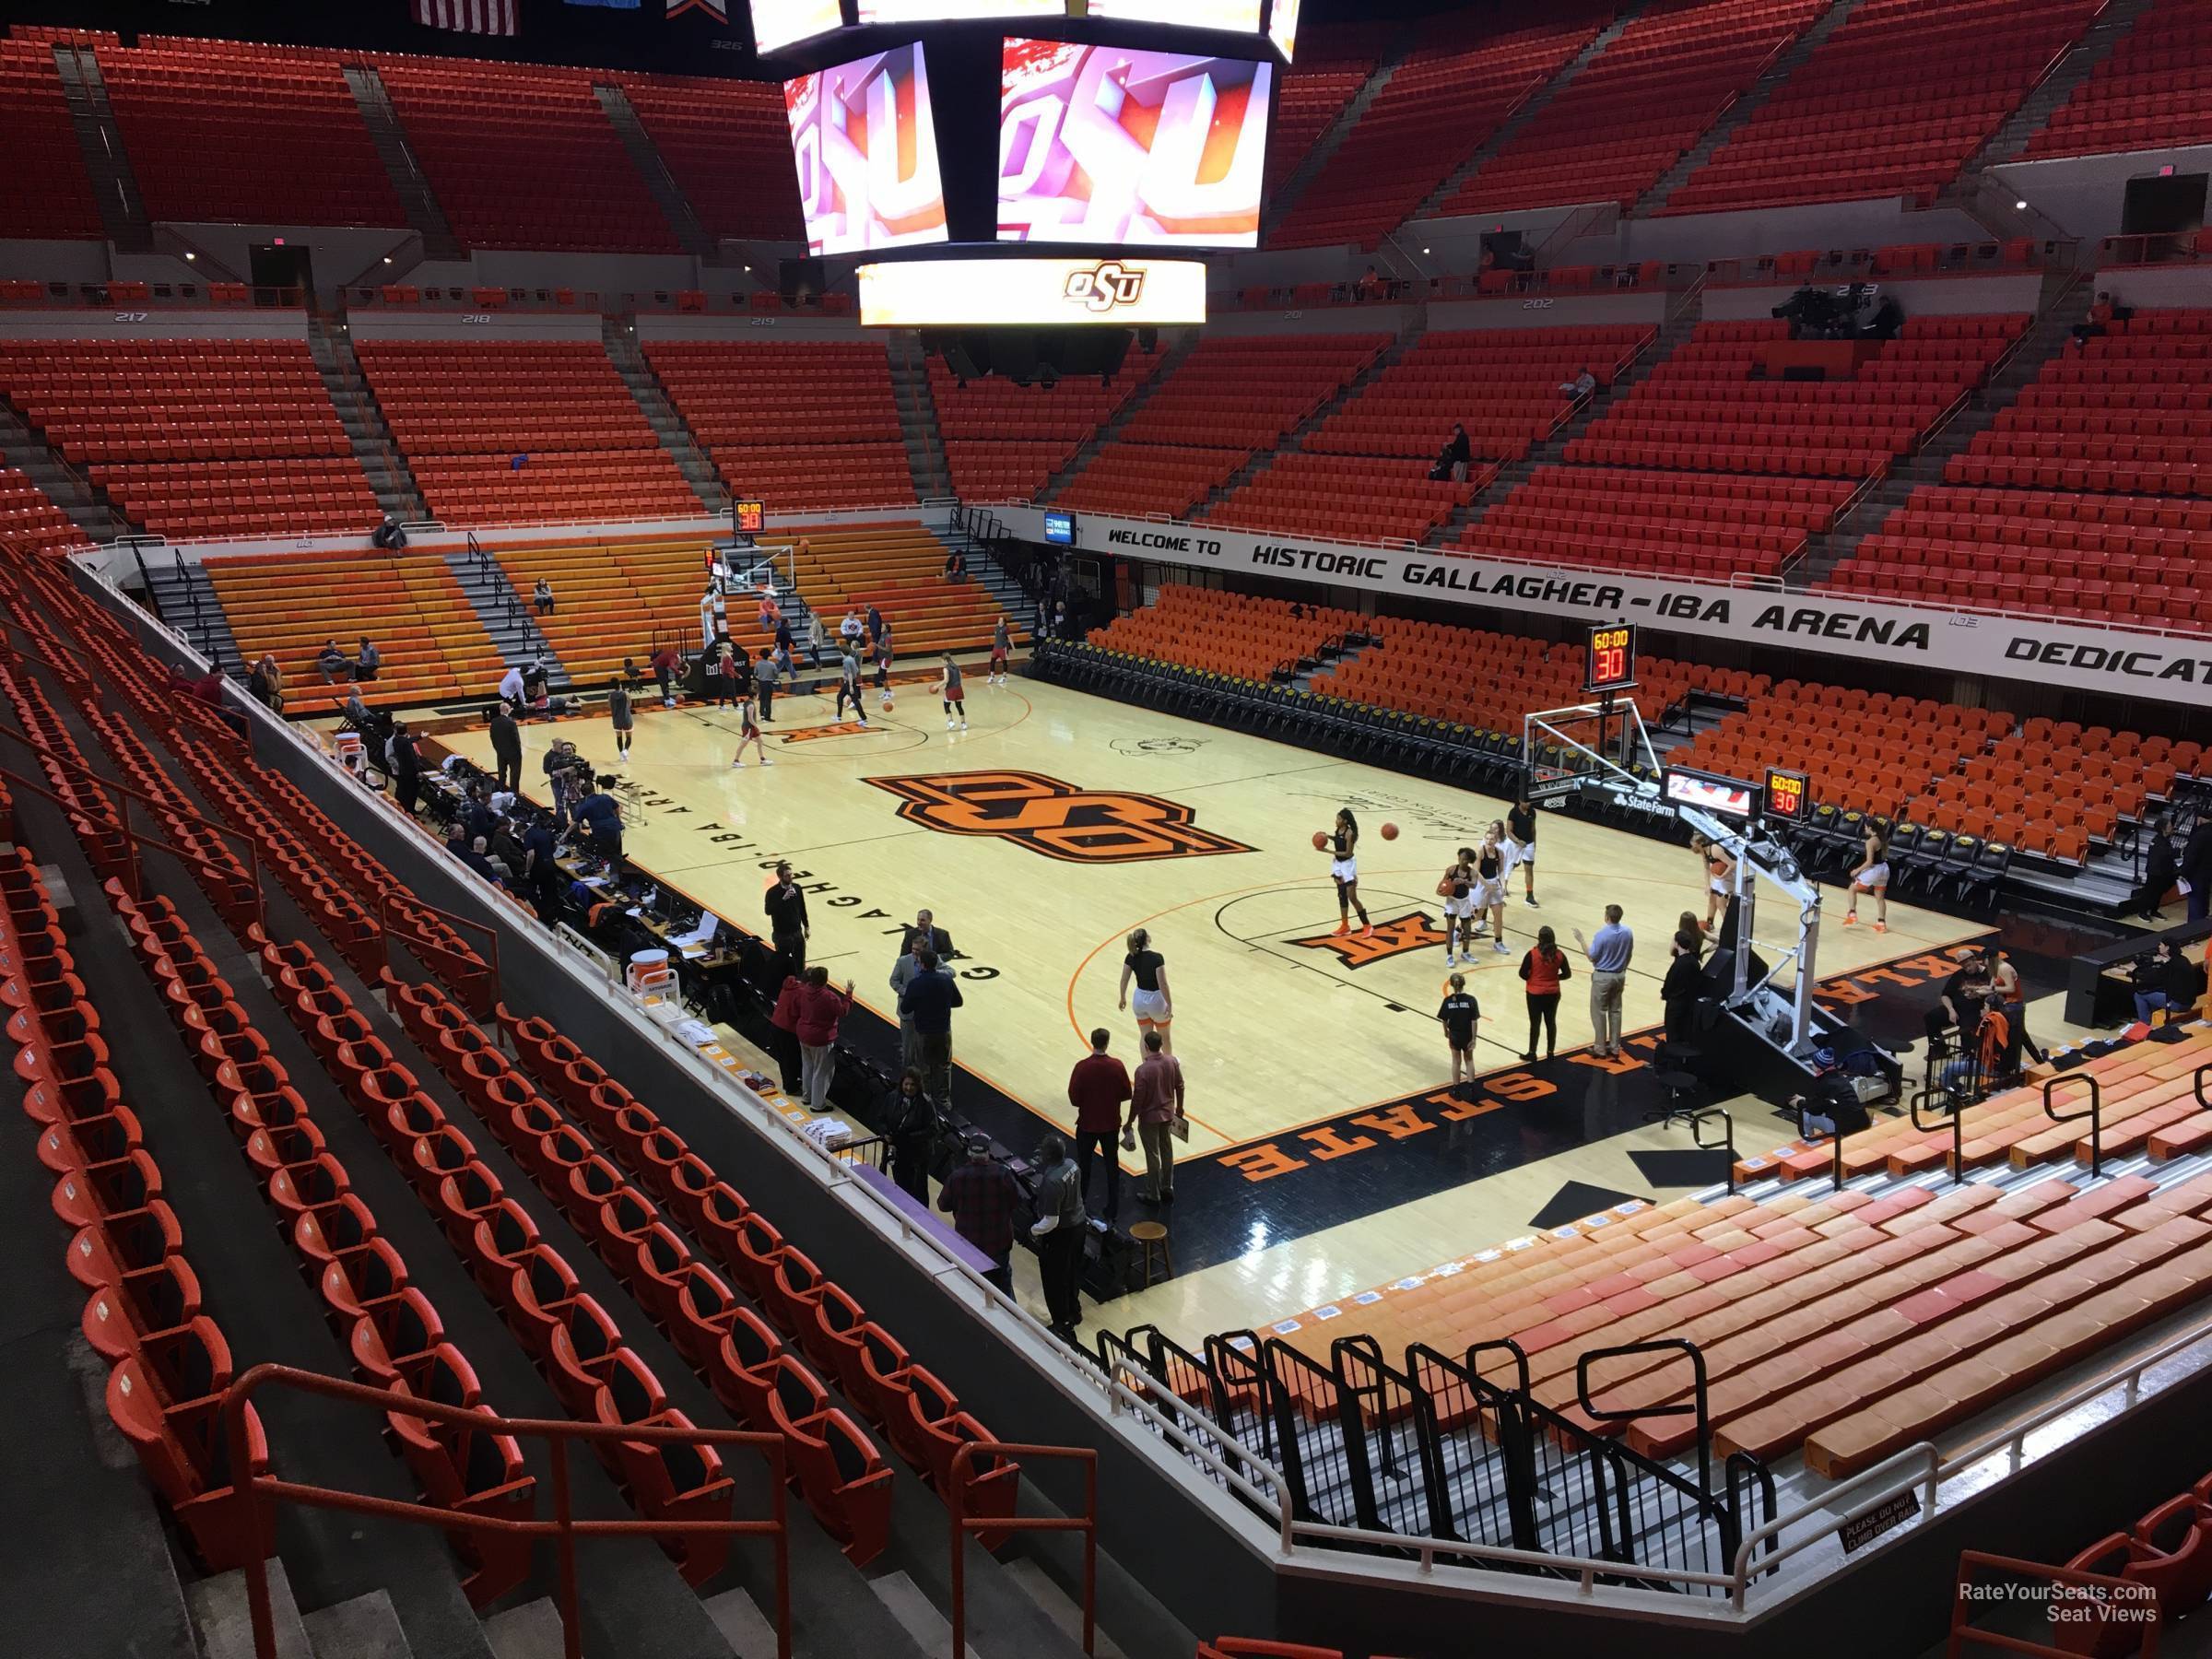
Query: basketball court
x,y
1327,1148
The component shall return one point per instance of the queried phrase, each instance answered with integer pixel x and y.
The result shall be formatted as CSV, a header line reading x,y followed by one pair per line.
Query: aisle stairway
x,y
121,207
397,494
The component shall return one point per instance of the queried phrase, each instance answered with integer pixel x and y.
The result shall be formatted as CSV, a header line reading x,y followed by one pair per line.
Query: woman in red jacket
x,y
1542,970
813,1009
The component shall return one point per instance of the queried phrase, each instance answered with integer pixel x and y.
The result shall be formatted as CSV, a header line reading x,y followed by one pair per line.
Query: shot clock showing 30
x,y
1785,795
1611,665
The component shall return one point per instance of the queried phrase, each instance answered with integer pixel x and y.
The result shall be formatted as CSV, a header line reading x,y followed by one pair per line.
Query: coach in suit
x,y
928,936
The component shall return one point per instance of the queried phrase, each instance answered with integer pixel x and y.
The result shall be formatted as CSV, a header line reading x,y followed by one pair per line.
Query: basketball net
x,y
1567,751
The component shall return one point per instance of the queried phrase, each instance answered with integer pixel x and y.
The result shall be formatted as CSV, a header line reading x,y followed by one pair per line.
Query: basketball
x,y
1321,840
887,705
1390,832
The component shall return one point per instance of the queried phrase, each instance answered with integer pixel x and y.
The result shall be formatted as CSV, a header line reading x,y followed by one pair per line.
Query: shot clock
x,y
1785,795
1611,662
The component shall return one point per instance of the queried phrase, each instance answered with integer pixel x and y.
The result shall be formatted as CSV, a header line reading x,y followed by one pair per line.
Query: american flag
x,y
468,16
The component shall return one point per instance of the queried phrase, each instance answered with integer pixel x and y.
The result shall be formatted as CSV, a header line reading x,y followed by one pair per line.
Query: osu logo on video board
x,y
1060,820
1393,938
1104,286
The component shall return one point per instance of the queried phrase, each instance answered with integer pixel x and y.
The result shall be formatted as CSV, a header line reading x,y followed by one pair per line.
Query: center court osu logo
x,y
1104,286
1056,820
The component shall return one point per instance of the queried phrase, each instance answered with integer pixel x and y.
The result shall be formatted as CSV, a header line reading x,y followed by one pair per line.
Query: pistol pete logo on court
x,y
1393,938
1056,819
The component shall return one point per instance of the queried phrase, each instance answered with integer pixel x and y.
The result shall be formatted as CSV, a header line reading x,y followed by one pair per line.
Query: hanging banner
x,y
2171,667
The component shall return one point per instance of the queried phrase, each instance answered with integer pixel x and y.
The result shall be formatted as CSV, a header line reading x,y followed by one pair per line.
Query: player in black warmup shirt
x,y
1458,1015
1521,842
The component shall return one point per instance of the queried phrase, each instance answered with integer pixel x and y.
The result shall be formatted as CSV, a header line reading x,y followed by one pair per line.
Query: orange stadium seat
x,y
197,437
720,138
45,190
1632,112
523,157
427,633
1233,398
223,131
1461,81
1003,440
1890,104
803,425
2152,93
463,412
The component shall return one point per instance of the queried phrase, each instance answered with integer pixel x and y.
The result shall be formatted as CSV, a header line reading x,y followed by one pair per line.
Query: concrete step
x,y
529,1631
1059,1606
224,1623
931,1630
744,1627
365,1628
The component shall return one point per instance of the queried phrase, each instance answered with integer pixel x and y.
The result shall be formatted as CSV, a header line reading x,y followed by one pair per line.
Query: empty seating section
x,y
1629,115
617,599
1867,751
45,190
464,410
1236,634
1893,103
1658,523
195,437
1471,677
523,157
427,633
1004,441
2153,92
728,148
29,519
1703,408
1847,1326
1364,471
1436,108
2053,553
2128,413
898,568
1232,397
1489,681
246,135
804,425
2086,495
1332,64
1359,498
602,1158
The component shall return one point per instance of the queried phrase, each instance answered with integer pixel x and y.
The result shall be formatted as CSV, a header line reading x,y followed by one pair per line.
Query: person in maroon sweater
x,y
814,1010
1096,1088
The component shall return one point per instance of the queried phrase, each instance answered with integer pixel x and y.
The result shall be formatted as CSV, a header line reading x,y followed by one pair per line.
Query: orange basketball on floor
x,y
1390,832
1321,840
888,705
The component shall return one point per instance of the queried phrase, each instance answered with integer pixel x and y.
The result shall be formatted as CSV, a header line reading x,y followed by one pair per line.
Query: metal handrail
x,y
1698,1120
563,1529
962,1471
2095,1114
1958,1121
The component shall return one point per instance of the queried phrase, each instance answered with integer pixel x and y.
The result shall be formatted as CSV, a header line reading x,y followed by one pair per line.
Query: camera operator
x,y
568,777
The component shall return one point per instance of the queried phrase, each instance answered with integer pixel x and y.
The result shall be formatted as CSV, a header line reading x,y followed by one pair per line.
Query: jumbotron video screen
x,y
1110,145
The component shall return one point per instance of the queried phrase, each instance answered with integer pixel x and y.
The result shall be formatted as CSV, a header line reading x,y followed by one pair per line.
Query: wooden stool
x,y
1146,1235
